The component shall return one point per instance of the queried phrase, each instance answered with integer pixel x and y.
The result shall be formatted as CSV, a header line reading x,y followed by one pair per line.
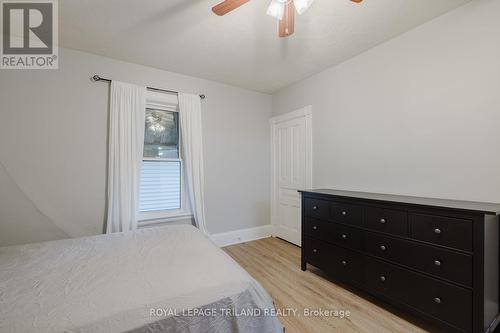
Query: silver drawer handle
x,y
382,278
315,207
383,248
437,231
315,228
344,262
437,263
344,236
437,300
382,221
315,250
344,213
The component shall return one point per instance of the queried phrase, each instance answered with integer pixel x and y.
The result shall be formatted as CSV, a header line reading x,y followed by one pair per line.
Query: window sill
x,y
148,220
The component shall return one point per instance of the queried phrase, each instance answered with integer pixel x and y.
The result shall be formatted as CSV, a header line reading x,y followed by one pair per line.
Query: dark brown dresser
x,y
438,259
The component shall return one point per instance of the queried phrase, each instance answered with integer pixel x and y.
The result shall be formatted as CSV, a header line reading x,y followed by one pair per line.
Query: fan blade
x,y
228,5
357,1
287,24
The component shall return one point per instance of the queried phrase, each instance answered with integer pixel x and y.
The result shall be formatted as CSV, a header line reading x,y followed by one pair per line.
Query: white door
x,y
291,137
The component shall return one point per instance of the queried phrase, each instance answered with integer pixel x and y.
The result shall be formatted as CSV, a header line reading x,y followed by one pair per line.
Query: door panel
x,y
290,167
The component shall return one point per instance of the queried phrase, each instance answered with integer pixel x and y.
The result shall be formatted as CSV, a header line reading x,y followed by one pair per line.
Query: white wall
x,y
21,222
417,115
53,132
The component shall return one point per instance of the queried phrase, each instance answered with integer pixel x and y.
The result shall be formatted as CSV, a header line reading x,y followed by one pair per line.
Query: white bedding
x,y
110,283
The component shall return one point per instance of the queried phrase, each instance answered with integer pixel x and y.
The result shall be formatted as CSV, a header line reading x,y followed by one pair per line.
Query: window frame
x,y
164,102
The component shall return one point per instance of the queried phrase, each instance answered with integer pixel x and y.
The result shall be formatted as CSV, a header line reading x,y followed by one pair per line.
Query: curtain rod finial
x,y
202,96
95,78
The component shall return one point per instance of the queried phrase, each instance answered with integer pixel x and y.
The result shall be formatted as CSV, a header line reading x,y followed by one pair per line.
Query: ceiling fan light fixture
x,y
282,10
302,5
277,9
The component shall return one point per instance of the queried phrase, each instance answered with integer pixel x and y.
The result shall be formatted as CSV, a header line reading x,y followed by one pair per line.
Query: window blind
x,y
160,187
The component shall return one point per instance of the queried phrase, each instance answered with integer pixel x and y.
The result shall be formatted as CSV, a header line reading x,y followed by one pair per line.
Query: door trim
x,y
307,113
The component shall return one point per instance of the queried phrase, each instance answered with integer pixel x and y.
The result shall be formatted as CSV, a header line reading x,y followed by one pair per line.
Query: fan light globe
x,y
302,5
277,9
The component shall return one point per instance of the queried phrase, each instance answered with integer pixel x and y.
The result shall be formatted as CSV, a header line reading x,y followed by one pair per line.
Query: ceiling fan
x,y
282,10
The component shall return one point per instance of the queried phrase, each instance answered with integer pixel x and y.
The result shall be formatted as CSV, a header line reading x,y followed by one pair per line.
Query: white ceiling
x,y
241,48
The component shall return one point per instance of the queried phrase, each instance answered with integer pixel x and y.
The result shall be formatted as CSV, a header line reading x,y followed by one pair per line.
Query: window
x,y
161,194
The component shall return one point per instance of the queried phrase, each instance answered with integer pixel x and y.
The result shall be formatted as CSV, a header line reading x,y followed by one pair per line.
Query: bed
x,y
166,279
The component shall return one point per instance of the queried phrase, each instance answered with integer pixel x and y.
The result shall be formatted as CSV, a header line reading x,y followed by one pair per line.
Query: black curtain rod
x,y
97,78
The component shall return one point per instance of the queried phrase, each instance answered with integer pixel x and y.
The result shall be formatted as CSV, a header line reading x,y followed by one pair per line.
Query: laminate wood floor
x,y
276,265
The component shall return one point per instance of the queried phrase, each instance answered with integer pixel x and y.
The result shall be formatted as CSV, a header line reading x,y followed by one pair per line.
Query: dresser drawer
x,y
345,265
446,231
438,299
387,220
450,265
347,214
349,237
319,229
317,208
334,233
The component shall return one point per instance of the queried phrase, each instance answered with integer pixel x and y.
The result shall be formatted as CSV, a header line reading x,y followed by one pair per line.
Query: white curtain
x,y
126,144
192,148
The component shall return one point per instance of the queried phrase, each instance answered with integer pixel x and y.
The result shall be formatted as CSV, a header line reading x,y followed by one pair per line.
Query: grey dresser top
x,y
479,207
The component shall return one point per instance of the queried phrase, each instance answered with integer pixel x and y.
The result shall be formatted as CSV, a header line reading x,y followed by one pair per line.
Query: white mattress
x,y
110,283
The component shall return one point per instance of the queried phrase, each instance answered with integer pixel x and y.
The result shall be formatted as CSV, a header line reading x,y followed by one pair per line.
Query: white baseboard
x,y
242,235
